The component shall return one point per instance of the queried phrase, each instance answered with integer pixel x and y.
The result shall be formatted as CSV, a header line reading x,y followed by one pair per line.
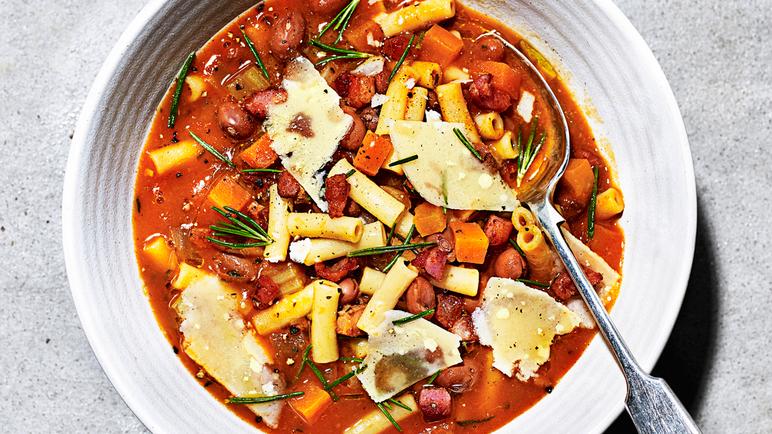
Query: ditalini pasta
x,y
318,225
327,224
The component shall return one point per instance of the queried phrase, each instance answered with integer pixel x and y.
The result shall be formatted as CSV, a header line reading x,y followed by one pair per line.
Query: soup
x,y
327,224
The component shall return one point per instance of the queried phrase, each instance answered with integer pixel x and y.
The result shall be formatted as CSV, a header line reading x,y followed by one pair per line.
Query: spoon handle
x,y
652,405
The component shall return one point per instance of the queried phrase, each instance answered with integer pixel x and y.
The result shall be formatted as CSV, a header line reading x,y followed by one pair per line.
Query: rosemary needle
x,y
262,399
211,149
593,204
412,318
467,143
173,111
258,60
402,58
388,249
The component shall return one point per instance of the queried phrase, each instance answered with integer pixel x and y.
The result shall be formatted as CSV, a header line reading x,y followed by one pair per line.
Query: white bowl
x,y
610,68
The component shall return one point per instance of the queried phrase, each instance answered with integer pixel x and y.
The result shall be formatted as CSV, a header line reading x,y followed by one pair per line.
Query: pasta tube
x,y
313,251
404,224
396,104
608,204
490,125
454,73
318,225
385,298
416,105
541,263
458,279
429,74
278,211
416,16
372,279
285,311
454,109
365,192
503,148
160,253
376,421
324,314
521,218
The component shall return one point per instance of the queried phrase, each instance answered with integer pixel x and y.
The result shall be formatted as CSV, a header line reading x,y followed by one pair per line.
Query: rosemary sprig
x,y
527,153
534,283
402,58
174,109
433,377
240,225
341,21
341,53
261,171
593,204
467,143
399,254
412,318
388,249
237,246
262,399
244,221
404,160
388,416
258,60
211,149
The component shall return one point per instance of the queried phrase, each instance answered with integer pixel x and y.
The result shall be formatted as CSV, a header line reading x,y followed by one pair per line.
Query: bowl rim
x,y
71,224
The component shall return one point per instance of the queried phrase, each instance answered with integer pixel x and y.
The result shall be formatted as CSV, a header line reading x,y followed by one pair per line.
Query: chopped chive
x,y
399,404
261,171
402,58
519,250
593,204
474,421
433,377
345,377
412,318
467,143
181,75
212,150
388,416
258,60
534,283
399,254
388,249
391,234
404,160
262,399
350,172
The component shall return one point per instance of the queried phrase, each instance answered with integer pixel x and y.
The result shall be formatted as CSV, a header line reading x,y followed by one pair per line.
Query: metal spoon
x,y
652,405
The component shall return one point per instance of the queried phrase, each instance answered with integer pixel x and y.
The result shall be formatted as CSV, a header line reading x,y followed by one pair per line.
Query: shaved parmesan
x,y
594,262
519,323
402,355
305,151
525,105
370,67
215,337
433,116
446,173
378,100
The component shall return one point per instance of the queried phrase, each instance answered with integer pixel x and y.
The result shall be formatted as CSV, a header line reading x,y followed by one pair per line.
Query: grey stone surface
x,y
716,54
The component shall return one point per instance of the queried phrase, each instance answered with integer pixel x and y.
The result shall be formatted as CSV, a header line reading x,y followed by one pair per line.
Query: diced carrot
x,y
259,155
374,151
362,33
429,219
440,46
576,184
504,77
471,242
228,192
312,404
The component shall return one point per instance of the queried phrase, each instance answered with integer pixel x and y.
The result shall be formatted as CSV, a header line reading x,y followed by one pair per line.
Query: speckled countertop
x,y
716,54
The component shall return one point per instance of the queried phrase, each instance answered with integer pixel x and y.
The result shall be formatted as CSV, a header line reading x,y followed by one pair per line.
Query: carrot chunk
x,y
375,150
312,404
576,184
471,242
440,46
504,78
228,192
259,155
429,219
